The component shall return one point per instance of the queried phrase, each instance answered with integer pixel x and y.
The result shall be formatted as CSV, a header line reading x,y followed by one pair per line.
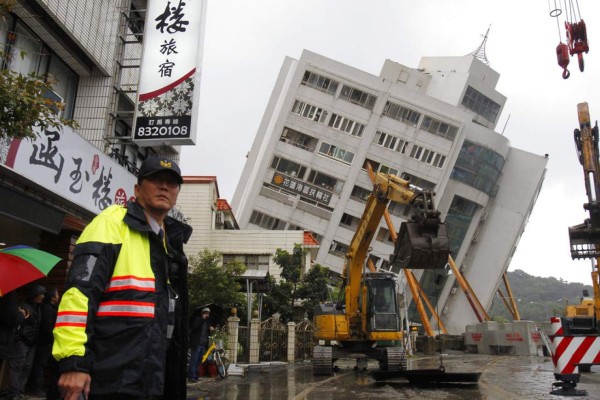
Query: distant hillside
x,y
538,298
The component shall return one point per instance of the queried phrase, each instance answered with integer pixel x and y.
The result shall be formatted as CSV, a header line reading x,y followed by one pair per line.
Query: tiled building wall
x,y
92,107
92,24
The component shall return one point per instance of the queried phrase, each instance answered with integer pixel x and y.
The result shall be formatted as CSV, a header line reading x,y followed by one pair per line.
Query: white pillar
x,y
291,344
233,325
254,342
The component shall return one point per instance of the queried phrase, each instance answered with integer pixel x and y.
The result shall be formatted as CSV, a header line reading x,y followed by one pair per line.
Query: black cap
x,y
152,165
35,290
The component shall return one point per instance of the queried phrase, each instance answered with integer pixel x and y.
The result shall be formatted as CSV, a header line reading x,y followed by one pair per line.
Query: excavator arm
x,y
422,242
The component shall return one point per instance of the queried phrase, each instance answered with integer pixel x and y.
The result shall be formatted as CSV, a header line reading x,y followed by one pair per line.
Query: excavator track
x,y
322,360
393,359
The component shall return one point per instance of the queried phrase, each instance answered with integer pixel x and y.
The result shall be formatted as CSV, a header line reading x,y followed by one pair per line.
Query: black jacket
x,y
10,319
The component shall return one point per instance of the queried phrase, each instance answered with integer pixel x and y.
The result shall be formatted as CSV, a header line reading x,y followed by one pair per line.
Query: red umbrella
x,y
20,265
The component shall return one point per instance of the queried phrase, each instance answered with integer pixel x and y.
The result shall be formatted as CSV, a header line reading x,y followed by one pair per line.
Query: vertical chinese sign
x,y
169,87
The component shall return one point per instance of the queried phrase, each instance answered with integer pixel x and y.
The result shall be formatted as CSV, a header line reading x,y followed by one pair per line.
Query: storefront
x,y
51,187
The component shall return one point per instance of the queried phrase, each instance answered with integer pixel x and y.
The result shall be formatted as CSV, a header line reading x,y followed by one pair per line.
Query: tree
x,y
24,103
310,289
291,268
211,282
313,289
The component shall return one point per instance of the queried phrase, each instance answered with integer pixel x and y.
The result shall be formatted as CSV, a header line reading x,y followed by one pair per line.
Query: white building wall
x,y
436,88
499,234
198,202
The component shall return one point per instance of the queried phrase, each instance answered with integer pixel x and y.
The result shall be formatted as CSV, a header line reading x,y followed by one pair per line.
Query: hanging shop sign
x,y
66,164
169,86
298,187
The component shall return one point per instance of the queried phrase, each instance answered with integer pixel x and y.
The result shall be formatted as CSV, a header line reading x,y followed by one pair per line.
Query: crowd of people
x,y
26,342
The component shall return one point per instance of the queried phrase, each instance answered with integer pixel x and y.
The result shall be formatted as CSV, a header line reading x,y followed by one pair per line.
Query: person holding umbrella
x,y
121,329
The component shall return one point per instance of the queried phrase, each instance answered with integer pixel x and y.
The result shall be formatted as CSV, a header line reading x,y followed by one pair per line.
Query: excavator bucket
x,y
421,245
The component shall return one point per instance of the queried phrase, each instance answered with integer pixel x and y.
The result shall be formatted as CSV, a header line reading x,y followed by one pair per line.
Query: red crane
x,y
576,35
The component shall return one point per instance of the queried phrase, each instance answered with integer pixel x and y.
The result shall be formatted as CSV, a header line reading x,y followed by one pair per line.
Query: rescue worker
x,y
121,330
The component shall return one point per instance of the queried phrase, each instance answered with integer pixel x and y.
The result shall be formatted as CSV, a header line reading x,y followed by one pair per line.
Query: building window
x,y
346,125
400,113
298,139
360,194
397,209
427,156
481,104
288,167
251,261
439,128
337,153
416,181
459,217
359,97
348,220
479,167
391,142
319,82
309,111
266,221
28,54
338,249
325,181
383,235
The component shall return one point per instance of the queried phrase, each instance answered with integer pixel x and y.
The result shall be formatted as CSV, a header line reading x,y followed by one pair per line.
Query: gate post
x,y
291,345
233,324
254,342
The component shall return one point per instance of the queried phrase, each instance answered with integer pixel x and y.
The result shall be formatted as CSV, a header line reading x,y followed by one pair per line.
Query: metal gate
x,y
304,340
273,340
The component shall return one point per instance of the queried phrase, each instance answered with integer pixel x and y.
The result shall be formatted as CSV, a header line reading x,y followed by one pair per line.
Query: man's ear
x,y
136,189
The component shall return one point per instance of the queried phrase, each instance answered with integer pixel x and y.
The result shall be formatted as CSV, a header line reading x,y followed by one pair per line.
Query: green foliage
x,y
291,269
23,104
278,300
309,289
313,288
538,298
211,282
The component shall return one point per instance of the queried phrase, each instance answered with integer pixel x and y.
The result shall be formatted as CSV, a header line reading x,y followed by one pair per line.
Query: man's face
x,y
205,315
38,298
158,192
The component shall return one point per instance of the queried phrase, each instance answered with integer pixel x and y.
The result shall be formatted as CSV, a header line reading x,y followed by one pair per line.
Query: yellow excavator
x,y
365,322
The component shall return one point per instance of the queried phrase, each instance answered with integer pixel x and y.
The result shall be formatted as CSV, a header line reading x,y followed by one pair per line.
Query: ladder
x,y
545,339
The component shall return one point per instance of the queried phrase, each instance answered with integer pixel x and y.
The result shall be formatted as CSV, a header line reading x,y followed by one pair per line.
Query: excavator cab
x,y
382,306
422,244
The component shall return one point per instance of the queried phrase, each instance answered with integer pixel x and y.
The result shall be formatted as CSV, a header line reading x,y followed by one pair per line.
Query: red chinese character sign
x,y
169,87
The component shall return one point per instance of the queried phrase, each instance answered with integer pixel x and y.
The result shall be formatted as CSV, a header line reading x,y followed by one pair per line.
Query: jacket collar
x,y
136,219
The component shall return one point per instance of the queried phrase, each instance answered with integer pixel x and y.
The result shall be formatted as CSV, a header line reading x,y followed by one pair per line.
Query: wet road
x,y
502,377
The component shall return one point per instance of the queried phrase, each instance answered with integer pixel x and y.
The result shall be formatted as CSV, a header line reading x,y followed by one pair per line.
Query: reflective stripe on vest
x,y
71,318
126,309
131,282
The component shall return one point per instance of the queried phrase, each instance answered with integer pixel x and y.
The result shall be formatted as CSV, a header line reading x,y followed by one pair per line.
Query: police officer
x,y
121,330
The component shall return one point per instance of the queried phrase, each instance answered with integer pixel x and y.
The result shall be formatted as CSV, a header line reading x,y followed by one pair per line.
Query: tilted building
x,y
434,124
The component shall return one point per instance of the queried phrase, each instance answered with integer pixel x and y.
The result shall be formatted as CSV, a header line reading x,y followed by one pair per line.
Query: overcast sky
x,y
247,41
